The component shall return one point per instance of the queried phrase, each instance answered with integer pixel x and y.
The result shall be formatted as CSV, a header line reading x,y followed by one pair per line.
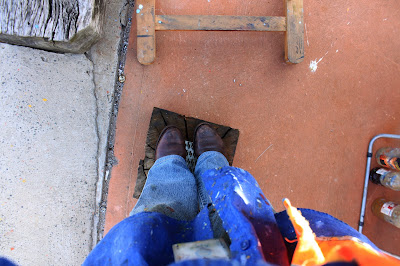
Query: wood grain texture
x,y
140,180
223,23
294,38
146,33
57,25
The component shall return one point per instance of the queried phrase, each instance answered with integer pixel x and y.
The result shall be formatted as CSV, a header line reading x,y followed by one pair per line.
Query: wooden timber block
x,y
146,32
294,37
71,26
161,118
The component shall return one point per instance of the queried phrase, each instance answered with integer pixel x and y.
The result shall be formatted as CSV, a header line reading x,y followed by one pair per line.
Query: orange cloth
x,y
311,250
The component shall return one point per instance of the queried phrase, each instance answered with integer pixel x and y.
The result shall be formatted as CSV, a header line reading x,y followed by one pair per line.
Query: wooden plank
x,y
146,37
157,124
226,23
174,119
294,38
55,25
230,139
161,118
140,180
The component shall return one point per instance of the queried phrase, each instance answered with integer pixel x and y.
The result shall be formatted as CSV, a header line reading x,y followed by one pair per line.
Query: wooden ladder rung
x,y
148,22
223,23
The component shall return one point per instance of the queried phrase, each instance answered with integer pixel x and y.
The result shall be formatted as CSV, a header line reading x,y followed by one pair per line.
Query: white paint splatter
x,y
138,11
337,51
106,175
140,7
319,224
314,63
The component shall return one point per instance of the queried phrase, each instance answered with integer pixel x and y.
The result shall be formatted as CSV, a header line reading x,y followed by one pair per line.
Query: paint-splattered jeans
x,y
173,190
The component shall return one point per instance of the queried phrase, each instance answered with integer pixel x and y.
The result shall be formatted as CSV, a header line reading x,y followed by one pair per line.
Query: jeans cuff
x,y
210,160
206,155
168,158
216,156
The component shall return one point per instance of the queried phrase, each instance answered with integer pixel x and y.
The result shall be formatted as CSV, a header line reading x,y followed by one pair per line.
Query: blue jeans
x,y
173,190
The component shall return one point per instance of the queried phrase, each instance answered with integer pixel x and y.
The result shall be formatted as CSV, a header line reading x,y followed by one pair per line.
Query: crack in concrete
x,y
109,161
99,183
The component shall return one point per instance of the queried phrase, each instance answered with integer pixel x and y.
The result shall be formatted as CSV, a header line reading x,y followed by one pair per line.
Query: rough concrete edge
x,y
109,159
98,142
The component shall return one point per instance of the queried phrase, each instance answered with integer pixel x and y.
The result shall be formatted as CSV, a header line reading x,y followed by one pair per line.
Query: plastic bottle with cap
x,y
386,210
385,177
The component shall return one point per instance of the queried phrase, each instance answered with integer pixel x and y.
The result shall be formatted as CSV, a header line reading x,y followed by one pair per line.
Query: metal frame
x,y
367,170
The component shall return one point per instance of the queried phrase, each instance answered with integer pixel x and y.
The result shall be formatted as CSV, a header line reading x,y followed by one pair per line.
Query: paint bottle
x,y
387,210
389,157
386,178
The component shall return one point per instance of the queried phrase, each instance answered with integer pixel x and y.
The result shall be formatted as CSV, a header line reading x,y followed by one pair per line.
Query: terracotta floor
x,y
318,123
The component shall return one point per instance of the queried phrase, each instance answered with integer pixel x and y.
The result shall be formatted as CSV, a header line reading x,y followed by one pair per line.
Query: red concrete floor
x,y
318,123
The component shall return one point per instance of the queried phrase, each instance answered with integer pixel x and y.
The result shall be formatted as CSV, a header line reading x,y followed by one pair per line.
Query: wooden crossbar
x,y
148,22
220,23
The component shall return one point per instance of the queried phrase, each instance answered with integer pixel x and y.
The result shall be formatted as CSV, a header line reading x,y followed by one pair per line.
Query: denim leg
x,y
206,161
170,189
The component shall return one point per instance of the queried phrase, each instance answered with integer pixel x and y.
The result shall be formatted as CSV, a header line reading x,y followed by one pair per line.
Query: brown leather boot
x,y
207,139
170,142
